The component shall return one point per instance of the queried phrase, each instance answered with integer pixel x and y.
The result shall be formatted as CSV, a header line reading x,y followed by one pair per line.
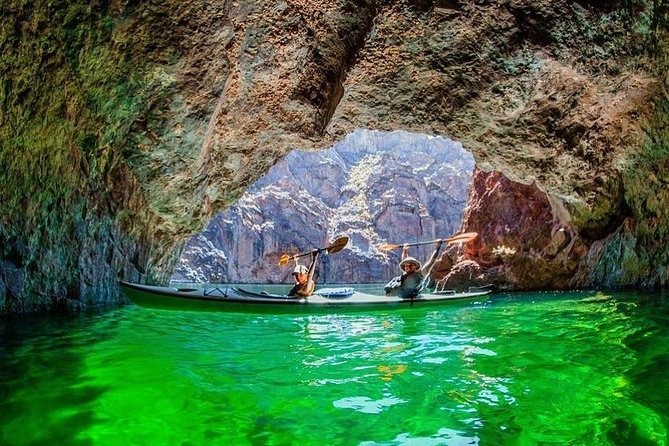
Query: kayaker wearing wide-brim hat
x,y
409,284
304,283
409,260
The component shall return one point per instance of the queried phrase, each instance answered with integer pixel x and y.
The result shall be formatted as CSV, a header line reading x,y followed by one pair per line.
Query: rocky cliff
x,y
124,126
525,243
375,187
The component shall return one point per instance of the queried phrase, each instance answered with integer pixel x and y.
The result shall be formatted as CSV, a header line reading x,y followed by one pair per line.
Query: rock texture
x,y
124,126
522,244
375,187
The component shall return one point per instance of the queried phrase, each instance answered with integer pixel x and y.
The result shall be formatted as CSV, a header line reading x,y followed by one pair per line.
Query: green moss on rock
x,y
69,94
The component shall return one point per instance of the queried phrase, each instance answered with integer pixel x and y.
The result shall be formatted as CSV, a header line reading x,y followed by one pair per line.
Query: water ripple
x,y
537,369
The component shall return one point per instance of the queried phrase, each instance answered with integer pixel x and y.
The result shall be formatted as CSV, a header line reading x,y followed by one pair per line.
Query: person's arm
x,y
405,252
310,285
312,267
425,270
307,290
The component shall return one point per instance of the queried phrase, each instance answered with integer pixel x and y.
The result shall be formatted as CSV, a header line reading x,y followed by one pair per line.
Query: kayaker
x,y
409,284
304,283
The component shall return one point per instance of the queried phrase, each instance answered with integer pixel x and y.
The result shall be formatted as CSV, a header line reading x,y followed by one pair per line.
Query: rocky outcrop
x,y
181,106
523,242
375,187
526,241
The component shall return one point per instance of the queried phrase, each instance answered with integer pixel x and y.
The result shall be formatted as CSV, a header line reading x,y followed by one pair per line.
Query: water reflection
x,y
395,362
443,436
367,405
549,369
44,394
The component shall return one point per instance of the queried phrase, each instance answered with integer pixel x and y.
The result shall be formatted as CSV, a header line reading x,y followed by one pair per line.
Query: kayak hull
x,y
234,299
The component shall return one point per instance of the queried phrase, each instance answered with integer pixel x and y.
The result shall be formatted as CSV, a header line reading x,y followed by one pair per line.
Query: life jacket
x,y
299,287
405,286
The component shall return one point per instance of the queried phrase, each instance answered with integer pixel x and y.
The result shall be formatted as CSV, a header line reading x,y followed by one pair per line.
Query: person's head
x,y
409,265
300,273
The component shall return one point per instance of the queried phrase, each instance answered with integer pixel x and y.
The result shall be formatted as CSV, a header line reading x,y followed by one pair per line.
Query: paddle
x,y
336,246
460,238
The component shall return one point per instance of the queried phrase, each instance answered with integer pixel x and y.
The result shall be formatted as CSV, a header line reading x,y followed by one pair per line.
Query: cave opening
x,y
373,186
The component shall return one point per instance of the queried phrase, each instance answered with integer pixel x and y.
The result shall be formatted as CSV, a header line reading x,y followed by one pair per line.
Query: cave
x,y
127,127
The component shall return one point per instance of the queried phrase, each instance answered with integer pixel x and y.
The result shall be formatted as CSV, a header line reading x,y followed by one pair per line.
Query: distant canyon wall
x,y
375,187
125,126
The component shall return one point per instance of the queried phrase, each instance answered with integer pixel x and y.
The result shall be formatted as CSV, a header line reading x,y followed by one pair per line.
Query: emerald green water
x,y
544,369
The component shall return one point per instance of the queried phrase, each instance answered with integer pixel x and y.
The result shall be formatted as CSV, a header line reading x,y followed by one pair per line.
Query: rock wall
x,y
523,242
375,187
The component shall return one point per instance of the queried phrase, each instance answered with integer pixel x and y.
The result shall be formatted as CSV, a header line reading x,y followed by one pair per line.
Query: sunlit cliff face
x,y
374,187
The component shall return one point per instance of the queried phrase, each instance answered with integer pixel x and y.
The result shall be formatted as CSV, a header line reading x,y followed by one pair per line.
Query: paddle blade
x,y
388,247
462,238
284,259
337,245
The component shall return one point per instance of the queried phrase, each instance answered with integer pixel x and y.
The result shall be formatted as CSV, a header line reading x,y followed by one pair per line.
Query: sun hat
x,y
409,260
300,269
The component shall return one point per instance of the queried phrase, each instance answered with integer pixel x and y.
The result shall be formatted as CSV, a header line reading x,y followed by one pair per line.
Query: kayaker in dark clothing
x,y
304,283
409,284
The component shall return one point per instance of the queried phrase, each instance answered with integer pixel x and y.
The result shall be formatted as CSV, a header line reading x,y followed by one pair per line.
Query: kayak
x,y
235,299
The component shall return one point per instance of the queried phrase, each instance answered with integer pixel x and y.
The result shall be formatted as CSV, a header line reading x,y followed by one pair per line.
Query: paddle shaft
x,y
319,250
391,247
420,243
336,246
466,237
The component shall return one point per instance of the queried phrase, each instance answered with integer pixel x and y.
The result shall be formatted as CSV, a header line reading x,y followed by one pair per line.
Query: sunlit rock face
x,y
126,125
522,242
375,187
